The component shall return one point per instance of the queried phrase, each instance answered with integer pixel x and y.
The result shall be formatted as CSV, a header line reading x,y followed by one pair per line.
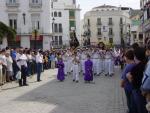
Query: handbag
x,y
18,75
146,84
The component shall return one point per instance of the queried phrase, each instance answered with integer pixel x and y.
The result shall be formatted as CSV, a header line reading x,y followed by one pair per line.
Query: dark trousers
x,y
39,70
130,101
15,69
24,73
139,101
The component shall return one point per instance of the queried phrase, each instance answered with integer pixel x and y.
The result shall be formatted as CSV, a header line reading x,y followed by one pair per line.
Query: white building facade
x,y
108,24
65,19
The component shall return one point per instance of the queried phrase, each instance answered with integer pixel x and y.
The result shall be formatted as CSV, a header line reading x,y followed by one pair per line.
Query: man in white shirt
x,y
39,61
22,64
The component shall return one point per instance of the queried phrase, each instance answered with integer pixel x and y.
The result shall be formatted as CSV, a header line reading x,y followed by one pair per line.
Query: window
x,y
72,23
121,31
88,22
111,40
74,1
110,21
35,1
13,23
110,31
12,1
60,28
121,21
59,14
98,21
60,40
55,14
56,40
72,13
35,19
99,31
52,14
55,28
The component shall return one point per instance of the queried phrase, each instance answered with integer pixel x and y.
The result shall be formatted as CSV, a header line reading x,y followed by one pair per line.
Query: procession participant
x,y
83,58
88,77
60,66
65,58
101,61
75,68
108,63
39,62
70,58
96,62
22,64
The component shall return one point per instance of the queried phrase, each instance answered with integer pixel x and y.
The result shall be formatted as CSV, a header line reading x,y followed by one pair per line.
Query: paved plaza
x,y
51,96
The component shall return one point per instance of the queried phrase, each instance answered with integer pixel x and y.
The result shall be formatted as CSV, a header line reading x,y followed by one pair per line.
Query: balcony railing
x,y
110,23
12,4
40,31
35,4
99,23
99,34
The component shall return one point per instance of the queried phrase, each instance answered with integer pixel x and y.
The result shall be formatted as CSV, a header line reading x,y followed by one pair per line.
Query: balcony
x,y
35,4
12,3
40,31
99,34
110,23
99,24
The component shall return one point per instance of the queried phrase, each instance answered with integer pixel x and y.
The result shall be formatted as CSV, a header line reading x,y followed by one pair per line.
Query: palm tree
x,y
6,32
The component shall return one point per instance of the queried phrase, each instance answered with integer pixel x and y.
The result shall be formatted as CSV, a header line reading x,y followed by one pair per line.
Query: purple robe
x,y
61,74
88,70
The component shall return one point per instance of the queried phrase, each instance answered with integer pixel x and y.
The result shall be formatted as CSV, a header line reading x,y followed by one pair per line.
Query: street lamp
x,y
24,19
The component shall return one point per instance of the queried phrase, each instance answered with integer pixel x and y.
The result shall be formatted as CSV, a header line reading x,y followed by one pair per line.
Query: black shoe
x,y
26,85
73,80
77,81
20,85
39,80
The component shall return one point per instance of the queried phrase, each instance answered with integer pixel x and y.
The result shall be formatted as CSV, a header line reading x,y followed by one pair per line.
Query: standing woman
x,y
60,66
135,77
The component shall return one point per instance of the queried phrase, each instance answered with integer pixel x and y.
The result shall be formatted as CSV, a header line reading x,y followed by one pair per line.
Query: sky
x,y
87,5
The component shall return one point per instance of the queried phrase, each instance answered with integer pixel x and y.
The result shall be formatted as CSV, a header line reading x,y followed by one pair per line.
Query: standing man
x,y
22,64
39,62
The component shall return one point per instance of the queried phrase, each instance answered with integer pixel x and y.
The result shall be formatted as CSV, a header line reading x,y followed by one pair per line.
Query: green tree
x,y
6,31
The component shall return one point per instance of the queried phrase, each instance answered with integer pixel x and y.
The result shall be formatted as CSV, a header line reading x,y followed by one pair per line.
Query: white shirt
x,y
9,63
22,60
39,58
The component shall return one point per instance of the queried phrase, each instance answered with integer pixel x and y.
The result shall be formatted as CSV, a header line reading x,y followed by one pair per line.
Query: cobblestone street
x,y
51,96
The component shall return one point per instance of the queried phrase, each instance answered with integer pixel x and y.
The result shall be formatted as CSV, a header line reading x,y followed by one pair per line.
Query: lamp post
x,y
24,19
